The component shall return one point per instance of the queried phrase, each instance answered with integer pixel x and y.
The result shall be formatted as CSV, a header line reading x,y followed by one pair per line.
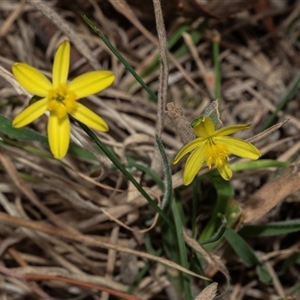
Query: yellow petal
x,y
58,135
225,171
61,64
204,128
32,79
91,83
188,148
231,129
89,118
239,147
193,164
30,113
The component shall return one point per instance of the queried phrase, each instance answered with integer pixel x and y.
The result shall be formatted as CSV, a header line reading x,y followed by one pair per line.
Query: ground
x,y
86,228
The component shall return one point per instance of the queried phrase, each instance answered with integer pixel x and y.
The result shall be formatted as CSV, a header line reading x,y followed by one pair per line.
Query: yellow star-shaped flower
x,y
214,147
60,98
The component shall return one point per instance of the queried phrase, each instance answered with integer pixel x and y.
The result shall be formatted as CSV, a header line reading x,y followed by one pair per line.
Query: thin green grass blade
x,y
196,35
171,249
258,164
283,102
153,65
216,59
120,57
182,250
168,191
293,292
117,163
271,229
296,289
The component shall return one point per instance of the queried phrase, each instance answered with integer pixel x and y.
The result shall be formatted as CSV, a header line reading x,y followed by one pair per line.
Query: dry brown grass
x,y
59,234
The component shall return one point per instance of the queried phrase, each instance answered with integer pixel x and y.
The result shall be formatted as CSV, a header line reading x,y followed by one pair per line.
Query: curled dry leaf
x,y
180,123
209,293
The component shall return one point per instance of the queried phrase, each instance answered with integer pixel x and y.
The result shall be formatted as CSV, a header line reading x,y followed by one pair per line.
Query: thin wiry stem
x,y
163,81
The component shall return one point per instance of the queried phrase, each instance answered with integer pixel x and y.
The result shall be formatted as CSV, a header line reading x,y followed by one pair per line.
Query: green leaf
x,y
23,134
247,255
263,274
26,134
241,248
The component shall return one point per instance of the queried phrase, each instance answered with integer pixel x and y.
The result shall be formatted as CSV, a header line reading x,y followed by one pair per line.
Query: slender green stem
x,y
216,58
117,163
120,57
195,201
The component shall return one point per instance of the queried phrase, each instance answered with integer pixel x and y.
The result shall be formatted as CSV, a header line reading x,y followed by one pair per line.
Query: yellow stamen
x,y
61,101
216,154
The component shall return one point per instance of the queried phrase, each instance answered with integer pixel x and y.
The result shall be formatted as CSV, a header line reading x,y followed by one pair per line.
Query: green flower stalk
x,y
214,147
60,98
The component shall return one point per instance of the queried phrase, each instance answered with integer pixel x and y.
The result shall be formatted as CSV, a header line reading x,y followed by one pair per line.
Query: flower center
x,y
61,101
216,154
